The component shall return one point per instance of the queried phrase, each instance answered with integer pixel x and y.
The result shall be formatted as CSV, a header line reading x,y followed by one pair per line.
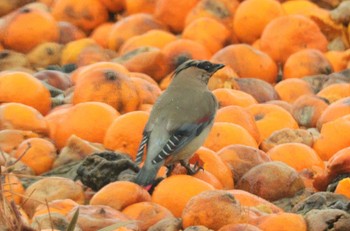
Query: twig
x,y
23,227
48,209
27,198
25,151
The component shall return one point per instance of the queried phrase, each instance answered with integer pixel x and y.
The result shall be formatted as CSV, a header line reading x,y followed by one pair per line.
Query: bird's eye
x,y
205,65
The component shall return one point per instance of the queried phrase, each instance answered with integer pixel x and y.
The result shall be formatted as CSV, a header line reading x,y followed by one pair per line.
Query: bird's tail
x,y
146,175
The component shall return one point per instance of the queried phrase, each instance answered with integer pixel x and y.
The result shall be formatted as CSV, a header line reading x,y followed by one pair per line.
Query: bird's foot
x,y
170,169
150,188
191,170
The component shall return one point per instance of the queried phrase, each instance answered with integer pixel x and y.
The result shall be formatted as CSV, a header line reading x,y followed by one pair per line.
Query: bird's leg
x,y
154,184
170,169
191,170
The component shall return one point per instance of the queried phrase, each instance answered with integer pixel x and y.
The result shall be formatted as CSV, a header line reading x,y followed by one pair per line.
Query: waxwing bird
x,y
180,120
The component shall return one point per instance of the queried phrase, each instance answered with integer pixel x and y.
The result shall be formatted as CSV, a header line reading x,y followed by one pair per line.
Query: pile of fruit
x,y
77,83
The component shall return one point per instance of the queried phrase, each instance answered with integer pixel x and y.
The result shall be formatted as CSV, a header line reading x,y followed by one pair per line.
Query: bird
x,y
179,122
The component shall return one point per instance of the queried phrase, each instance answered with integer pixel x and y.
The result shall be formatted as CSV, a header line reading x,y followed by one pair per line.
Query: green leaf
x,y
73,222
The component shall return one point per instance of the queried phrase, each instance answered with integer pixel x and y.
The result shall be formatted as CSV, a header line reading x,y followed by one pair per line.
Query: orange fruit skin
x,y
224,133
130,26
51,188
72,50
221,78
100,33
109,86
330,140
209,32
81,72
175,191
62,206
338,59
120,194
335,110
75,12
238,115
248,62
214,209
241,158
88,120
12,188
306,62
343,187
232,97
97,217
209,178
147,213
299,7
147,91
35,94
114,5
38,153
212,163
69,32
11,138
335,92
248,23
167,11
290,90
298,156
178,51
22,117
282,221
139,6
286,35
249,199
220,10
147,59
26,28
154,38
270,118
125,132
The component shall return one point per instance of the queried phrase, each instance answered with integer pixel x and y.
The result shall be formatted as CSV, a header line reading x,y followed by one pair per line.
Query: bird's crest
x,y
201,64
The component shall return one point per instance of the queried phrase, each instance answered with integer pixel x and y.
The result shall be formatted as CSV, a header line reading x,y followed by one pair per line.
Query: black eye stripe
x,y
204,65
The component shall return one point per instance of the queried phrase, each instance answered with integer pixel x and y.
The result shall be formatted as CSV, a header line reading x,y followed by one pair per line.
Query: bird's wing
x,y
183,133
181,138
142,146
162,100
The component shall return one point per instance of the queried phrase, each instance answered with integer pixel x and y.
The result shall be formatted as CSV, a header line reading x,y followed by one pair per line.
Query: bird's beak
x,y
217,67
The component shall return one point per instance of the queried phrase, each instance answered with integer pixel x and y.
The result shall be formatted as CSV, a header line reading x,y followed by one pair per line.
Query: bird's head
x,y
200,69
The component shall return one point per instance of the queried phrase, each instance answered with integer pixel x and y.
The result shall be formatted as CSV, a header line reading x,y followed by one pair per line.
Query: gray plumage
x,y
180,120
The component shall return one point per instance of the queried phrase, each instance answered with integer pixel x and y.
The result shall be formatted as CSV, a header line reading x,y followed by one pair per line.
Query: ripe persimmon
x,y
172,16
76,12
26,21
109,86
248,23
288,34
238,115
125,132
124,193
35,95
175,191
248,62
306,62
88,120
38,153
224,133
270,118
